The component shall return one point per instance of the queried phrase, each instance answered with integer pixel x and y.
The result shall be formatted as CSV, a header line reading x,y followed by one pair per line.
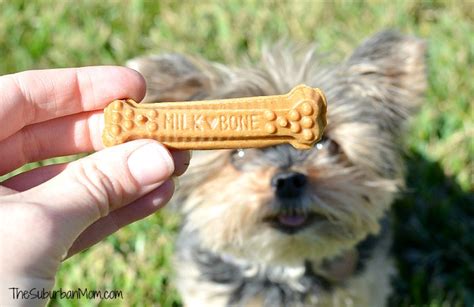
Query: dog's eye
x,y
240,153
241,159
328,144
238,158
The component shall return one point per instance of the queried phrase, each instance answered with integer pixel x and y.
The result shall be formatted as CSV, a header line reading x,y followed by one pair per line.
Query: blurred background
x,y
434,218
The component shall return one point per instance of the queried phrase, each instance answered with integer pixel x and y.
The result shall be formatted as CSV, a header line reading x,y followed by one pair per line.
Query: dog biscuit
x,y
297,118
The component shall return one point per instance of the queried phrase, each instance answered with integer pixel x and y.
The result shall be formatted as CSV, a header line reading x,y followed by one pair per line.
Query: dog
x,y
283,227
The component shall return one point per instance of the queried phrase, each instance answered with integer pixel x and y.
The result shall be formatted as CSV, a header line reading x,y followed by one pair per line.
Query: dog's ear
x,y
174,77
389,68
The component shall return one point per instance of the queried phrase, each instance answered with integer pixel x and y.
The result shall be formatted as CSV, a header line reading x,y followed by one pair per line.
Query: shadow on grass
x,y
434,239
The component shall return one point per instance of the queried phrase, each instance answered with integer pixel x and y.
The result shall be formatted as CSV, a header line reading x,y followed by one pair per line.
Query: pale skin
x,y
53,212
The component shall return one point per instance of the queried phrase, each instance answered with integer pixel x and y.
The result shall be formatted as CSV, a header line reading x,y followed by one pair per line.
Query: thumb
x,y
90,188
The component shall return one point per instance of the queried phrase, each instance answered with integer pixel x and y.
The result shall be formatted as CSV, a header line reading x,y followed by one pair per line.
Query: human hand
x,y
52,212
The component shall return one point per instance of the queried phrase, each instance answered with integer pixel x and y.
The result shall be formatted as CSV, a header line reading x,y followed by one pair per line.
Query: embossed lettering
x,y
168,124
201,122
223,122
254,122
233,123
246,123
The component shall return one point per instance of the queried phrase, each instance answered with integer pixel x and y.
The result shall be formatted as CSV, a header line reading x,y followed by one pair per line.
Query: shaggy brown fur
x,y
282,227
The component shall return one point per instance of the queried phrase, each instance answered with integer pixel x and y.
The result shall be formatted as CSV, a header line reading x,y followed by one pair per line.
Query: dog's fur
x,y
233,248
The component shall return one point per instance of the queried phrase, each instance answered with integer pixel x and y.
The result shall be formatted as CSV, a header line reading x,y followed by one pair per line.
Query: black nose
x,y
289,184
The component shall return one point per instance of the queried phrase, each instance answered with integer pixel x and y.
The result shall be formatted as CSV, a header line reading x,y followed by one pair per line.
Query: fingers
x,y
35,96
37,176
6,191
33,178
137,210
62,136
92,187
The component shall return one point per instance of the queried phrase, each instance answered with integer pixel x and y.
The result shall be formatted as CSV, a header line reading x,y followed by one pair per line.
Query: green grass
x,y
434,219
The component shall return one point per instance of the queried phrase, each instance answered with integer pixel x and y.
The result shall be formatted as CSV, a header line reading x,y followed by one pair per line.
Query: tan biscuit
x,y
297,118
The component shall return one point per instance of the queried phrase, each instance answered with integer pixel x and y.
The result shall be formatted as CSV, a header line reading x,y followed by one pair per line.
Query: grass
x,y
434,220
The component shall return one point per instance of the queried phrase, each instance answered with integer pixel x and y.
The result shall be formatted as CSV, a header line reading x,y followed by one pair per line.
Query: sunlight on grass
x,y
47,34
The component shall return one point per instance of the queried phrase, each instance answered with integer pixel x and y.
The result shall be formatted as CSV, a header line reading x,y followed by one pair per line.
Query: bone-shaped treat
x,y
297,118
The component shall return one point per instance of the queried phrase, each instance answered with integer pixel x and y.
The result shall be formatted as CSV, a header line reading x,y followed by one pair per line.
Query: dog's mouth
x,y
295,222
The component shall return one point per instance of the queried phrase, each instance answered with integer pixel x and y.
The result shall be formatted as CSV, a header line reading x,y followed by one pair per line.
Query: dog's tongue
x,y
292,221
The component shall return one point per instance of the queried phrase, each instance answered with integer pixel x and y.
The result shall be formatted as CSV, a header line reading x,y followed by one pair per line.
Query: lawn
x,y
434,218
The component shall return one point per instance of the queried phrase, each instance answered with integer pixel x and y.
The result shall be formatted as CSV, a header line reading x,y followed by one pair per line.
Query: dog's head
x,y
279,204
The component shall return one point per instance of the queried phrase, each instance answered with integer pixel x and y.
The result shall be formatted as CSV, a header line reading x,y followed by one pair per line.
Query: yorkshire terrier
x,y
284,227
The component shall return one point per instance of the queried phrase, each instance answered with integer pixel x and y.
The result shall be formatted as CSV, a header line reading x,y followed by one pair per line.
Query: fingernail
x,y
150,163
181,160
166,192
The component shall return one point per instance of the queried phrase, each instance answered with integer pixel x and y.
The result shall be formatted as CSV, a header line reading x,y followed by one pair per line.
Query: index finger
x,y
35,96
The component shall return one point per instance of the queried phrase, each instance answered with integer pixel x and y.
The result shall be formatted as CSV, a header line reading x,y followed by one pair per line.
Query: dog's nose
x,y
289,184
